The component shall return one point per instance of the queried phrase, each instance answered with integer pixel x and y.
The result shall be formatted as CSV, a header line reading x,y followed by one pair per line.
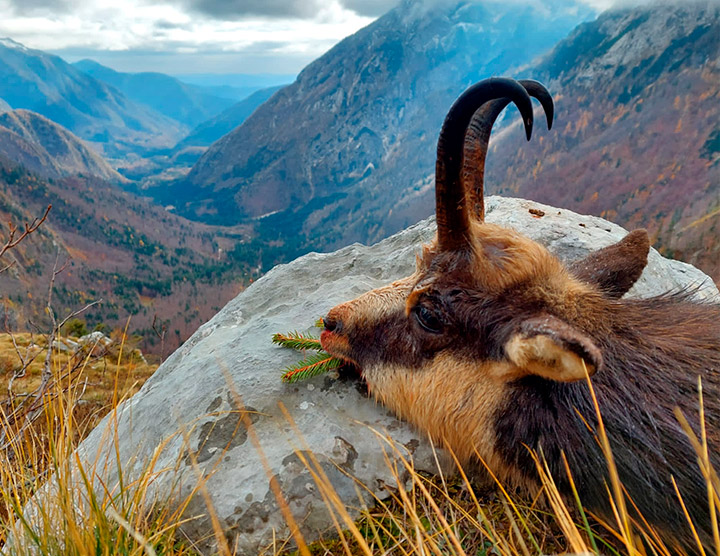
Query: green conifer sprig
x,y
311,366
296,340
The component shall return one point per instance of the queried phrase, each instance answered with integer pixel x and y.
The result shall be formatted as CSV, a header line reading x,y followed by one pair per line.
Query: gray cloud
x,y
40,7
370,8
169,25
237,9
207,61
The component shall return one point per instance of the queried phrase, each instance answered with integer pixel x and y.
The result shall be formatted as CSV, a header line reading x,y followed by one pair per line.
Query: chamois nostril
x,y
331,324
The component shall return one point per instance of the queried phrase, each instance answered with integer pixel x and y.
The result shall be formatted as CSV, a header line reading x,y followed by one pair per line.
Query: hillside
x,y
95,112
48,149
214,128
188,104
359,124
155,171
636,138
637,135
165,166
135,256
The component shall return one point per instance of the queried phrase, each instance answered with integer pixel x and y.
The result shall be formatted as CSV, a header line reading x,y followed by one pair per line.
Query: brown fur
x,y
471,390
486,346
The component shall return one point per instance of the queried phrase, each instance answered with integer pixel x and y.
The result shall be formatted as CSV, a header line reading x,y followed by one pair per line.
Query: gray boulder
x,y
191,405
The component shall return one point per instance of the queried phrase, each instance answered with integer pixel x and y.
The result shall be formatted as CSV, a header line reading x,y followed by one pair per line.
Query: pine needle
x,y
296,340
312,366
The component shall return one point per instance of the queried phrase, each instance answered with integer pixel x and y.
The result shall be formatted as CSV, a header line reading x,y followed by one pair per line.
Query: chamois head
x,y
486,347
486,305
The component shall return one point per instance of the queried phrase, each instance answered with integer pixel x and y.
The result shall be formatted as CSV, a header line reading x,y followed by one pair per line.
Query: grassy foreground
x,y
52,398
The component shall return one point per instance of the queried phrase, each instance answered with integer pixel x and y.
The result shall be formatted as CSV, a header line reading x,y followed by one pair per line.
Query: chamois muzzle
x,y
330,324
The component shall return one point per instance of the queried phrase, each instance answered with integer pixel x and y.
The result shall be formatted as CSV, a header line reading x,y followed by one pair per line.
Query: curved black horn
x,y
477,139
453,220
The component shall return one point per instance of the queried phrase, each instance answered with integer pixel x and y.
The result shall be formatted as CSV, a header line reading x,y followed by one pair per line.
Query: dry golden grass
x,y
101,371
437,515
94,377
50,401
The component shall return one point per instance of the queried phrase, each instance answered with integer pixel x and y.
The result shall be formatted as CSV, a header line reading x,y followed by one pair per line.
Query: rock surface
x,y
231,357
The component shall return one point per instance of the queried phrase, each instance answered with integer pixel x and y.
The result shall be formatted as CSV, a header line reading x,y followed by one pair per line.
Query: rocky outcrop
x,y
191,405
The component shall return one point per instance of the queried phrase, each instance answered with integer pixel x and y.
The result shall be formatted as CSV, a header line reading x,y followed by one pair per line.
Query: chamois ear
x,y
616,268
550,348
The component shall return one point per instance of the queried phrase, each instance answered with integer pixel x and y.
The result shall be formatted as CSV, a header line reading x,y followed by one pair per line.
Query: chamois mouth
x,y
338,346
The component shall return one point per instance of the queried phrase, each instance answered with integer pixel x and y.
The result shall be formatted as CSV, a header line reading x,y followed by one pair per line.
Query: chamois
x,y
489,344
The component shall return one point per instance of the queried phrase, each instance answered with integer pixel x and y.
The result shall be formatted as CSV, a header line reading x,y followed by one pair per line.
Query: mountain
x,y
237,86
4,106
358,126
46,84
213,129
637,135
168,165
48,149
140,260
188,104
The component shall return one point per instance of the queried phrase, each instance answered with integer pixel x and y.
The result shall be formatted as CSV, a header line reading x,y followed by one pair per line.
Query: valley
x,y
145,264
170,196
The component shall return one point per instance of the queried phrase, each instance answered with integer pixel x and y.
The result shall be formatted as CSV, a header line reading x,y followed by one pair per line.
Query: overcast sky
x,y
191,36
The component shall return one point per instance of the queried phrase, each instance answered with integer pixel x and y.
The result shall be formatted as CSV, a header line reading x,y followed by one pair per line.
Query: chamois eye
x,y
427,319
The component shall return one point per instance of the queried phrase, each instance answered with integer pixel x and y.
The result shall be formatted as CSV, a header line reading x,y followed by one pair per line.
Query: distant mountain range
x,y
237,86
137,257
184,103
165,165
346,153
137,119
49,149
92,110
343,153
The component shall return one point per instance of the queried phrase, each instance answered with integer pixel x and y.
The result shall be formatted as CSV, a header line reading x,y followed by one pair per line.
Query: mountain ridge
x,y
188,104
98,113
214,128
140,260
638,105
330,139
48,149
615,79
